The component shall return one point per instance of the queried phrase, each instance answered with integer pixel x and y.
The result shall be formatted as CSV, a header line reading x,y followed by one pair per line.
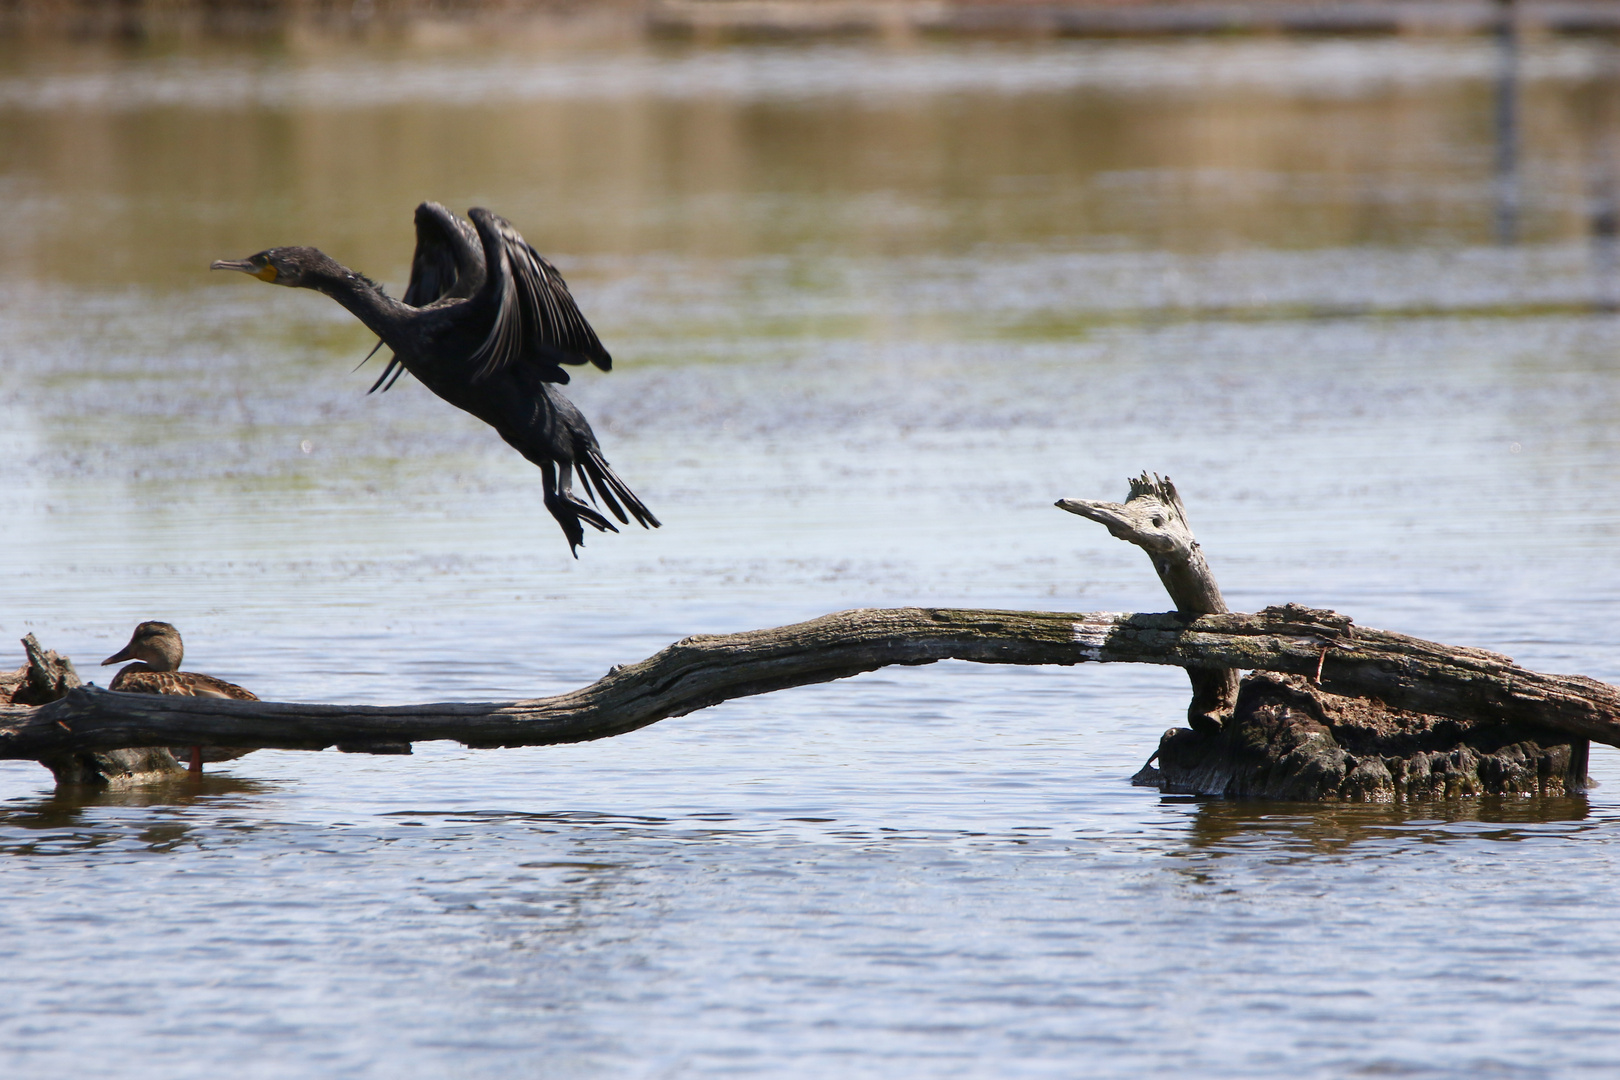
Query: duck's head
x,y
156,643
296,267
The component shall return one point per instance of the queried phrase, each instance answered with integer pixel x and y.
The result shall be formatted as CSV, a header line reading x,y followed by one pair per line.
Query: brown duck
x,y
157,646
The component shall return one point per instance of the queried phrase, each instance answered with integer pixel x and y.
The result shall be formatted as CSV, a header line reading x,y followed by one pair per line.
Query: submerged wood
x,y
49,676
697,672
1154,519
1291,740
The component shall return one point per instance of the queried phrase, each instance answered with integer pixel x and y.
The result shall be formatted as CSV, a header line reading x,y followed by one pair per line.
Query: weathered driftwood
x,y
1154,519
1404,672
1367,714
45,677
48,676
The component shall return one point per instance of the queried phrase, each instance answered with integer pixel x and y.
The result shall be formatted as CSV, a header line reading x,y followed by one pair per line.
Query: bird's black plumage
x,y
486,325
448,264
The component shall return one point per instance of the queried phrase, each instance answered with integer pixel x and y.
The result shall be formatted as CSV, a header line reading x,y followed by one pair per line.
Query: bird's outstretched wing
x,y
449,262
449,259
536,319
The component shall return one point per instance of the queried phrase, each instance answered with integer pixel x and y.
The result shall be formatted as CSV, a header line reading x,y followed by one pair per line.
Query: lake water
x,y
873,308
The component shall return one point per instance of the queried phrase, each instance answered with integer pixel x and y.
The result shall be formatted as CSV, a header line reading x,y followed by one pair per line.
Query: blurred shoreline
x,y
139,20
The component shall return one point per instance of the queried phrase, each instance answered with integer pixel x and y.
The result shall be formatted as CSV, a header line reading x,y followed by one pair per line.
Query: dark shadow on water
x,y
66,822
1318,828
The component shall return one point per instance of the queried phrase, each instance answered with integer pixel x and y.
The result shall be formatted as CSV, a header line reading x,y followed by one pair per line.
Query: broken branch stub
x,y
49,676
1154,519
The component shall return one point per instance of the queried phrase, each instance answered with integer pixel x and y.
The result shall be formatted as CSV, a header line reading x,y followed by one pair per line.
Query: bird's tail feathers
x,y
595,472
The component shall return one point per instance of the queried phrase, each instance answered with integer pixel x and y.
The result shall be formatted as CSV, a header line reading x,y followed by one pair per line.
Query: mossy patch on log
x,y
1288,739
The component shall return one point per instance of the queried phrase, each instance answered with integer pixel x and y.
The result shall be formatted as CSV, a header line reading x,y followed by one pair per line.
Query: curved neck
x,y
365,300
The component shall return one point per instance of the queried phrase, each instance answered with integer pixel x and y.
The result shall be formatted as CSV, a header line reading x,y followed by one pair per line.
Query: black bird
x,y
486,324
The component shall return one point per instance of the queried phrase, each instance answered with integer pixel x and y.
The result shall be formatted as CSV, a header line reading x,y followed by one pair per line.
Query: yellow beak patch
x,y
267,274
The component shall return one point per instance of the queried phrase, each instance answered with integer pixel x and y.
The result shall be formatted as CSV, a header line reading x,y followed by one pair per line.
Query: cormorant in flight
x,y
486,324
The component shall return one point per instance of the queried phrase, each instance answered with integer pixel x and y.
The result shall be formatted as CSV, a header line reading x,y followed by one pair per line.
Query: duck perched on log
x,y
158,650
487,325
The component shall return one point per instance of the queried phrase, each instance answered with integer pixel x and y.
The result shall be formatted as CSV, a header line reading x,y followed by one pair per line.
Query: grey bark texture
x,y
697,672
1153,518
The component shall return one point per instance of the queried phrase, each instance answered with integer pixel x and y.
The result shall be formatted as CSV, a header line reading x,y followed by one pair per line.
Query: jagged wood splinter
x,y
1154,519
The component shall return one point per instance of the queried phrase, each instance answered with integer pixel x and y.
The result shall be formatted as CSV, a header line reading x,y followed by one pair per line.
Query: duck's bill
x,y
126,653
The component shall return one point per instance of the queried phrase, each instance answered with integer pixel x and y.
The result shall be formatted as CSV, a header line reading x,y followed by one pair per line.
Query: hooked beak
x,y
126,653
246,266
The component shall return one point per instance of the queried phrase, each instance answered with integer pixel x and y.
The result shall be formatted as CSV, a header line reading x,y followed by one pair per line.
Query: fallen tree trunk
x,y
697,672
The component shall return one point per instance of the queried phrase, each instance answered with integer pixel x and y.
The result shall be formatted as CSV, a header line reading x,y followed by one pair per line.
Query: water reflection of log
x,y
1221,826
58,823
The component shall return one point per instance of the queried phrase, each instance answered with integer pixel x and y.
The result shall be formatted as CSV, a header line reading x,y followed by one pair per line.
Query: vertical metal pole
x,y
1507,123
1603,202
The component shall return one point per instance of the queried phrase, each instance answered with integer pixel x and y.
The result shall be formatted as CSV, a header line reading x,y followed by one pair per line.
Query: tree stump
x,y
1274,736
1288,739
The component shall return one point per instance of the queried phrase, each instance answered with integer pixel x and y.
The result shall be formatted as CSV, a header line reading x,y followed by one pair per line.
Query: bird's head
x,y
157,643
296,267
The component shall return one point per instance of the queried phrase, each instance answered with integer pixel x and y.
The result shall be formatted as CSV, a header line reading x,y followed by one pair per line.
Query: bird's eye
x,y
1158,521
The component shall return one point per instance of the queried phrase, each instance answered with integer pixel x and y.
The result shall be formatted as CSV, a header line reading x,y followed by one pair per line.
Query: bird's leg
x,y
568,508
588,513
561,508
196,761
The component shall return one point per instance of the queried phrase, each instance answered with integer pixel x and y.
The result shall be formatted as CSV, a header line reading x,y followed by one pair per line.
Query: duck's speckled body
x,y
141,679
158,649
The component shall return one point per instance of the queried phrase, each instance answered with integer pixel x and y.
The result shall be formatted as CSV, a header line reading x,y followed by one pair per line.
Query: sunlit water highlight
x,y
872,313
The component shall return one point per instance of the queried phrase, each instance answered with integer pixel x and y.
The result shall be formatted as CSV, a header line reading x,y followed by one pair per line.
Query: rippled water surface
x,y
872,309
